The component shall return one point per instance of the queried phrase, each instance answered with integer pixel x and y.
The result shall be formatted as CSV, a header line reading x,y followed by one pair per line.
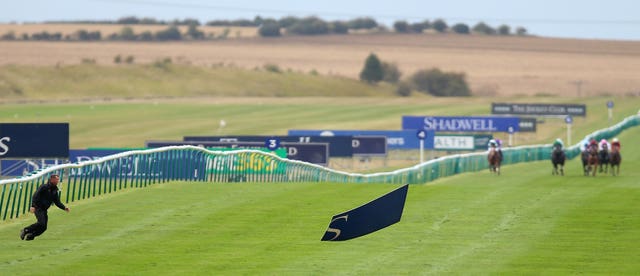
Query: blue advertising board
x,y
538,109
528,124
22,167
34,140
315,153
338,146
396,139
461,124
369,145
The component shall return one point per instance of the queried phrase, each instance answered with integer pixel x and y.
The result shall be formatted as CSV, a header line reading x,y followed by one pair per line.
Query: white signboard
x,y
453,142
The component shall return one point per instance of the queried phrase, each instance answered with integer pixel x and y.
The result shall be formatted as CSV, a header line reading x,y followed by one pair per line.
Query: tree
x,y
372,71
362,23
146,36
403,89
82,34
129,59
86,35
504,30
483,28
418,27
401,26
287,21
440,26
269,28
309,26
194,33
10,35
258,20
460,28
339,27
521,31
95,35
390,72
39,36
127,33
188,22
150,21
242,23
171,33
426,24
128,20
440,84
56,36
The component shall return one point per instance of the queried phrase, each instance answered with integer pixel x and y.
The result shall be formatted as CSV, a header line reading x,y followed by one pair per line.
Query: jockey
x,y
615,143
603,145
558,143
584,144
492,144
593,144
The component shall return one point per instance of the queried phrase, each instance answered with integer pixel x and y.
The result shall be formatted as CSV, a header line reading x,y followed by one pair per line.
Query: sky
x,y
612,19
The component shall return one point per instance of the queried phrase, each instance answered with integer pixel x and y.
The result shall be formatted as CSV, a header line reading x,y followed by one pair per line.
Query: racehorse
x,y
603,159
585,160
557,159
615,160
494,160
592,160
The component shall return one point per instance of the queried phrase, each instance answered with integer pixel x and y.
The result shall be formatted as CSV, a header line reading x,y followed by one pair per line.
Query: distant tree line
x,y
125,34
311,25
267,27
441,26
132,20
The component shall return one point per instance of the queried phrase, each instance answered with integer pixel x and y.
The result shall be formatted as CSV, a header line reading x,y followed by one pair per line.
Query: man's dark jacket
x,y
46,195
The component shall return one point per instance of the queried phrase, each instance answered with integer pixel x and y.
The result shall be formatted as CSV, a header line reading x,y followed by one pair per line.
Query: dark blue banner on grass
x,y
462,124
34,140
396,139
369,145
373,216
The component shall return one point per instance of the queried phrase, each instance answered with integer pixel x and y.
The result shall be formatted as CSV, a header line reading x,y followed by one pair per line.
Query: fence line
x,y
141,168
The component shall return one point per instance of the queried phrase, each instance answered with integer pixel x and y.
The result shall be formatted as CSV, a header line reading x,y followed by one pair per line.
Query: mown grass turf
x,y
524,221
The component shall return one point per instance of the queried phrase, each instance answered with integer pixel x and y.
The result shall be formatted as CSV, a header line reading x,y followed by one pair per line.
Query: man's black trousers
x,y
39,227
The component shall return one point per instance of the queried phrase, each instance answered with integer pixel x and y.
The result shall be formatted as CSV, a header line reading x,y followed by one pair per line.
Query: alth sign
x,y
461,142
454,142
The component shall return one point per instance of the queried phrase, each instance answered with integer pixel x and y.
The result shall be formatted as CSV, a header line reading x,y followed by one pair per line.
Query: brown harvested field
x,y
107,29
502,66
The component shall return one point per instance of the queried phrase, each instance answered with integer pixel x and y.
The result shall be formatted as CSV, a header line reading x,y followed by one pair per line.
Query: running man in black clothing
x,y
46,195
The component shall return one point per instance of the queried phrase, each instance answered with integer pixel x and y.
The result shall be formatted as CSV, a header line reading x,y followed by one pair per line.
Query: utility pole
x,y
578,84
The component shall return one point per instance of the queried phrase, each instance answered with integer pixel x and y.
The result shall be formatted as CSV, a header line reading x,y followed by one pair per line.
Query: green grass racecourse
x,y
525,221
90,81
129,124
